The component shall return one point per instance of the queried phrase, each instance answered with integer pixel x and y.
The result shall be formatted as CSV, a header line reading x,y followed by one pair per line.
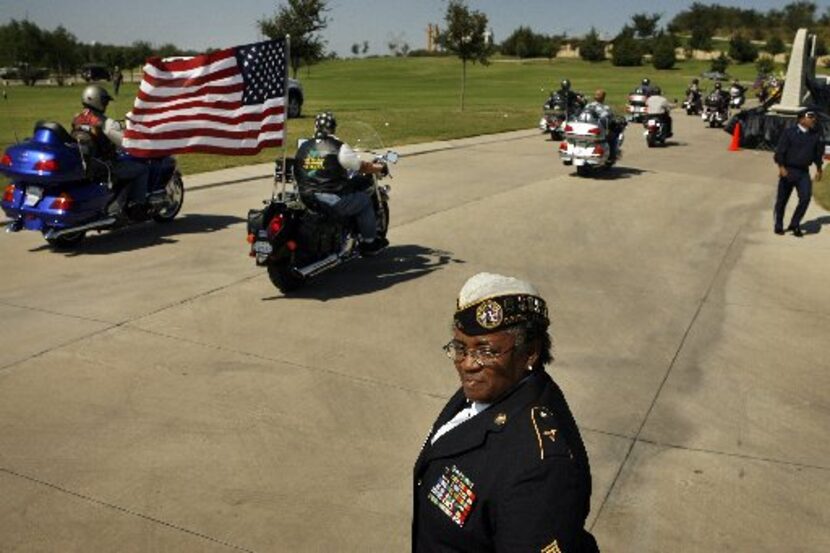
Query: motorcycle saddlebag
x,y
258,219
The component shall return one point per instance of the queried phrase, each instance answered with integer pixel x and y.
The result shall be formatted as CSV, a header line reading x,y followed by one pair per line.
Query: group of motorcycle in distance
x,y
585,136
59,190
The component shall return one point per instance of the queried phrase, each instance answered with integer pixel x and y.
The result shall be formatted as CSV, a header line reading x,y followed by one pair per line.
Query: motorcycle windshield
x,y
362,137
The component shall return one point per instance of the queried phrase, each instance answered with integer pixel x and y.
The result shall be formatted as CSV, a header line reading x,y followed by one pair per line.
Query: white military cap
x,y
489,302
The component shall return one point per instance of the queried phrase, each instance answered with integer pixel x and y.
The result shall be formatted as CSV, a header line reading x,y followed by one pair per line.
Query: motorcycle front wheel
x,y
282,276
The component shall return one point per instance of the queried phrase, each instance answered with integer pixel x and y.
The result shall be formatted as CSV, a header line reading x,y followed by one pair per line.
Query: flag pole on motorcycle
x,y
285,114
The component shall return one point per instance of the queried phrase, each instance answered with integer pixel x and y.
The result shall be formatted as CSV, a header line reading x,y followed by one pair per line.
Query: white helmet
x,y
96,97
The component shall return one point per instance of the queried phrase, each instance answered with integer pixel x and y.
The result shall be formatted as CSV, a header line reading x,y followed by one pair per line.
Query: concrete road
x,y
158,394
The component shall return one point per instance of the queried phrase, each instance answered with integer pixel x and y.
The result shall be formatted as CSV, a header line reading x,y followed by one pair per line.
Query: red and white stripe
x,y
195,105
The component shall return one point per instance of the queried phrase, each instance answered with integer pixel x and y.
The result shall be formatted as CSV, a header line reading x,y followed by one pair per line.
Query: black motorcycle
x,y
716,109
297,239
693,103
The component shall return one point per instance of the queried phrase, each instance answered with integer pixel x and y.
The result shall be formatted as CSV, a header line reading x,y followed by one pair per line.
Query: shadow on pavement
x,y
146,235
396,264
613,173
814,226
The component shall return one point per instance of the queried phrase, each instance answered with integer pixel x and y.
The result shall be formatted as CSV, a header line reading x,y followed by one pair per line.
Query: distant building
x,y
432,38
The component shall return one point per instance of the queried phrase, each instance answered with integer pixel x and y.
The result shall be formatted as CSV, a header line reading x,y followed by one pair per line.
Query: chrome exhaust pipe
x,y
329,262
14,226
89,226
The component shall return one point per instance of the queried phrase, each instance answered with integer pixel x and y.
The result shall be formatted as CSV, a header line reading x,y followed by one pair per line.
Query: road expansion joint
x,y
669,370
123,510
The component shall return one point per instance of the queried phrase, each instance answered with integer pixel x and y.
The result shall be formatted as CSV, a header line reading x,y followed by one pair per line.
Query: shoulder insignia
x,y
552,548
543,421
500,419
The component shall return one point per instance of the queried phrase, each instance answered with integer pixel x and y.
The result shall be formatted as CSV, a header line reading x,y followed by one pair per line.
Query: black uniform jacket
x,y
514,478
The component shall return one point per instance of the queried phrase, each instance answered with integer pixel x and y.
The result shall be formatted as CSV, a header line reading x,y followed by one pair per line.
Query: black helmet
x,y
95,97
717,85
324,124
695,80
657,91
646,81
566,84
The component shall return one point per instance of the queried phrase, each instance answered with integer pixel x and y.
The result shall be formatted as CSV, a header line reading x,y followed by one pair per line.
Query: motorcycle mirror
x,y
392,157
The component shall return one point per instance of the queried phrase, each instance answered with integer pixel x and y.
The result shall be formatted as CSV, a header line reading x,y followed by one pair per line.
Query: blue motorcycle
x,y
61,192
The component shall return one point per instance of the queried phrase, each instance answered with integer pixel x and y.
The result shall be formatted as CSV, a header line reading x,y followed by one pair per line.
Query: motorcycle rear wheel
x,y
283,276
169,213
583,170
650,141
67,241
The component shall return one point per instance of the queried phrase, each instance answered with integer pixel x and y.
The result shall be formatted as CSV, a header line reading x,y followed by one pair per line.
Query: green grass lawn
x,y
407,100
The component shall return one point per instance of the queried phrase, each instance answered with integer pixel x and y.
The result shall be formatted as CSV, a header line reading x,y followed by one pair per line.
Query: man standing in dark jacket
x,y
504,468
798,148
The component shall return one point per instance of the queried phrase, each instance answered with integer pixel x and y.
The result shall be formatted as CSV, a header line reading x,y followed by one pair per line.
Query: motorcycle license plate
x,y
263,248
33,195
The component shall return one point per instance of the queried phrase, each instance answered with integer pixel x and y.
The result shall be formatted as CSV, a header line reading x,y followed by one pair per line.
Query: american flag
x,y
227,102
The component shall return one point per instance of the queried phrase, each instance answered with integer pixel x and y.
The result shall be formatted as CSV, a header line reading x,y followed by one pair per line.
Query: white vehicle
x,y
586,145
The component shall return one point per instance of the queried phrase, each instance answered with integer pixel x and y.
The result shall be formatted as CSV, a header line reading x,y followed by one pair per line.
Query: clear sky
x,y
199,24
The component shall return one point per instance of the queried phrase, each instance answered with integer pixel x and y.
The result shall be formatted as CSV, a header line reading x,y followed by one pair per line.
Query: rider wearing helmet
x,y
322,167
645,87
575,101
694,87
659,106
102,136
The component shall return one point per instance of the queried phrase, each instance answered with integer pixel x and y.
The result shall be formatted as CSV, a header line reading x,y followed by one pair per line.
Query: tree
x,y
720,63
645,26
741,49
355,49
61,53
663,56
365,47
701,39
626,51
464,37
552,46
765,65
774,45
136,55
799,14
303,20
591,48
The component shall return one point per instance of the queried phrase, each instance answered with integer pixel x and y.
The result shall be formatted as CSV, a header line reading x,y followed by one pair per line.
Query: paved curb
x,y
224,177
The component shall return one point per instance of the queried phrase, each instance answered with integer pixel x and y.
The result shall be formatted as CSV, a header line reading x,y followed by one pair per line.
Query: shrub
x,y
591,47
720,63
765,65
626,51
742,50
663,56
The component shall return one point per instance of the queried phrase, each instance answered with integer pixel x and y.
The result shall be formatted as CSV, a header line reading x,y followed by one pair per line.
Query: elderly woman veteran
x,y
504,468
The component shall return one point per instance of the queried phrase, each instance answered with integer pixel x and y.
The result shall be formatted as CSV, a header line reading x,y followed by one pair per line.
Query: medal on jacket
x,y
454,495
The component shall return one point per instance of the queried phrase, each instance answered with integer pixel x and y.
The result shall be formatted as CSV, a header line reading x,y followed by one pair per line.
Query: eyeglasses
x,y
482,356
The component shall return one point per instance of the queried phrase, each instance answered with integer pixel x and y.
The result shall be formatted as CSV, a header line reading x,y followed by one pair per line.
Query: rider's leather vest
x,y
88,129
317,169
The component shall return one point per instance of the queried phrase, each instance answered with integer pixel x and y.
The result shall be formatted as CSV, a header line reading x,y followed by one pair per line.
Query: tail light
x,y
599,151
595,131
569,128
6,160
563,146
251,238
62,202
8,193
276,224
46,165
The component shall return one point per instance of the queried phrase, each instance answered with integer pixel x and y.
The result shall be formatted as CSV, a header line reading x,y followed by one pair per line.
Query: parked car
x,y
95,72
295,98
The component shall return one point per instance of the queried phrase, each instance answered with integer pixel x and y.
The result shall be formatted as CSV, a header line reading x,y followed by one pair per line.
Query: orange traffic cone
x,y
736,138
